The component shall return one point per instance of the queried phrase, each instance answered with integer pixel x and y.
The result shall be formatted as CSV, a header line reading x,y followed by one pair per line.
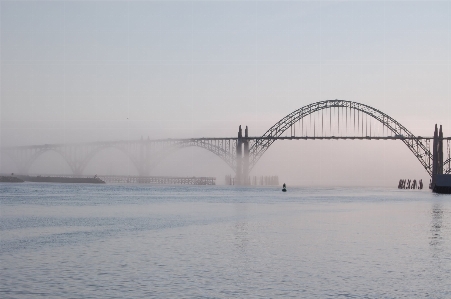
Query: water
x,y
135,241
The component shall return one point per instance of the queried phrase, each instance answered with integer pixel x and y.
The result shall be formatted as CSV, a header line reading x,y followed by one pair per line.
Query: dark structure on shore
x,y
61,179
410,184
10,179
440,182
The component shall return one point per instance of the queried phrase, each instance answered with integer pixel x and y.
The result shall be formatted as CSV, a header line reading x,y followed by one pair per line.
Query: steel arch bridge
x,y
240,153
416,146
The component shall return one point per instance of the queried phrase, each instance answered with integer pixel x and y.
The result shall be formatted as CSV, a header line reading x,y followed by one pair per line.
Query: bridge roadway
x,y
302,138
242,153
347,138
228,139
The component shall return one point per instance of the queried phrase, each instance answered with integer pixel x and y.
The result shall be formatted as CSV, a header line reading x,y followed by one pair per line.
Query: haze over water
x,y
102,71
143,241
88,71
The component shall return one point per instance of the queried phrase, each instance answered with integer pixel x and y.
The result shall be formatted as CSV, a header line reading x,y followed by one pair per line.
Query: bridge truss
x,y
416,145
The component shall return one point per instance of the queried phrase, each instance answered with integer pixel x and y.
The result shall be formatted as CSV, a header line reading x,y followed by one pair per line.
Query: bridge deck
x,y
347,137
43,146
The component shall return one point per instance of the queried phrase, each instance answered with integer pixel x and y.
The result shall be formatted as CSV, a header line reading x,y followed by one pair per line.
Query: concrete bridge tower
x,y
239,160
440,151
242,157
437,153
246,180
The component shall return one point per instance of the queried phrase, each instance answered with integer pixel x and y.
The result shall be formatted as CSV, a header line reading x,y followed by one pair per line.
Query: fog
x,y
85,71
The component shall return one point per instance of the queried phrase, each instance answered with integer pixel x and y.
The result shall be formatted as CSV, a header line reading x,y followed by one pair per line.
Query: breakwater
x,y
10,179
61,179
102,179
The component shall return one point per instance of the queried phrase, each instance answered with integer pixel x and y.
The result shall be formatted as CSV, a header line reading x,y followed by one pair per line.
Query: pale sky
x,y
76,71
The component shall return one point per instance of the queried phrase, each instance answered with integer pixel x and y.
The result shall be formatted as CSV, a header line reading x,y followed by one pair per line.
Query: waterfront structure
x,y
159,180
440,179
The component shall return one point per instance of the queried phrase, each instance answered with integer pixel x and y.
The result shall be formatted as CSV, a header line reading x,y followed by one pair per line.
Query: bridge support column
x,y
437,154
242,158
76,166
239,159
440,151
246,180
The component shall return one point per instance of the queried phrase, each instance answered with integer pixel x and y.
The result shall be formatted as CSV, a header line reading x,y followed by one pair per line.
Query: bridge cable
x,y
302,129
314,126
362,124
335,112
310,115
330,121
346,113
359,128
366,125
299,119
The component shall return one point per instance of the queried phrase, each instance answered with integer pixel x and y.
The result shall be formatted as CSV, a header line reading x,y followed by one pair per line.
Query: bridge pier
x,y
440,151
437,154
239,160
245,178
242,157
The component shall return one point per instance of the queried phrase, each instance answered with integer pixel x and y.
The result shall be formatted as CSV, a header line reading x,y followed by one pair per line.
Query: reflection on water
x,y
436,225
241,228
440,239
112,241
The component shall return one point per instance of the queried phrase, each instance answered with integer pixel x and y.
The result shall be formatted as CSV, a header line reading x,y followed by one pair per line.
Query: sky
x,y
80,71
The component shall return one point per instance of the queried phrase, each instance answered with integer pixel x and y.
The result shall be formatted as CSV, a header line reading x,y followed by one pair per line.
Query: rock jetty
x,y
10,179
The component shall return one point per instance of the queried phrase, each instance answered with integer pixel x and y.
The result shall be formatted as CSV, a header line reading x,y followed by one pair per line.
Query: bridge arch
x,y
75,157
25,165
123,149
151,158
144,154
417,147
225,153
20,166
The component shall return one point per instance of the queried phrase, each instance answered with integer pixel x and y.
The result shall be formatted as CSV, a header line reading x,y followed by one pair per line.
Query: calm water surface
x,y
136,241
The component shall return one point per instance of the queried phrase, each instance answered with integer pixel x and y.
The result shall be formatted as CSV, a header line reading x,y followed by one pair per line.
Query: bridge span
x,y
242,153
